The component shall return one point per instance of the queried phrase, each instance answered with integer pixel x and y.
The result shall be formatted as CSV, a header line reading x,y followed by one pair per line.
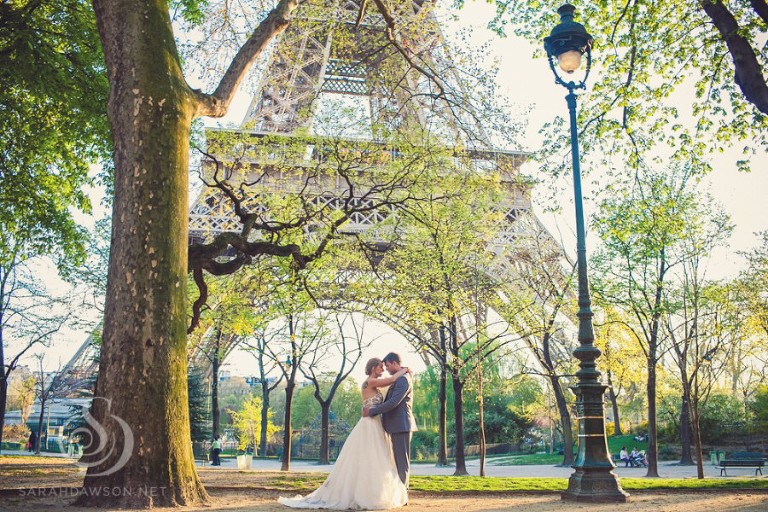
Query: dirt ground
x,y
52,486
253,500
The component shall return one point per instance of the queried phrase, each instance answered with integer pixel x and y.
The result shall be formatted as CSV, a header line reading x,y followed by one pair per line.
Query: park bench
x,y
756,464
203,457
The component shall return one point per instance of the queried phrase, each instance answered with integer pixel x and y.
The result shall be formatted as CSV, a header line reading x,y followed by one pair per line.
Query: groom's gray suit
x,y
398,422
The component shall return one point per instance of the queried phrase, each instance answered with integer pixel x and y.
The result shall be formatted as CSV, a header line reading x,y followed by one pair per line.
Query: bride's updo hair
x,y
371,364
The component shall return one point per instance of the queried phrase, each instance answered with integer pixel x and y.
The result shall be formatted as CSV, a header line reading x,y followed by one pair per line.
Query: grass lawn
x,y
614,447
529,458
616,442
25,471
303,482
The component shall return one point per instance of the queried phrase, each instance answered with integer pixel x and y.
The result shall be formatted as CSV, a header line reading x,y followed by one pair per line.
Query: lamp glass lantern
x,y
566,46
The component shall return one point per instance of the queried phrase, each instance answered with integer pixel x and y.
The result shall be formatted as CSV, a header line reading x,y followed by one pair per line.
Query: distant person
x,y
623,455
644,458
216,452
32,441
638,458
74,447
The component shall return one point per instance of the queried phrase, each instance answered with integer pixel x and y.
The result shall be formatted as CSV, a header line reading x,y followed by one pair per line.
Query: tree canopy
x,y
686,76
53,124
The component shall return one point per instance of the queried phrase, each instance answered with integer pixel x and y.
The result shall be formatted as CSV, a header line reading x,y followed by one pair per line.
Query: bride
x,y
364,476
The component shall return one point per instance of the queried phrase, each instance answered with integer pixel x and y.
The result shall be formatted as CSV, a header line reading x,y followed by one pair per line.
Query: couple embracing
x,y
372,469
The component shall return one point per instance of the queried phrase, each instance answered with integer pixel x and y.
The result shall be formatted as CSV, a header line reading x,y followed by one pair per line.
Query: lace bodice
x,y
374,400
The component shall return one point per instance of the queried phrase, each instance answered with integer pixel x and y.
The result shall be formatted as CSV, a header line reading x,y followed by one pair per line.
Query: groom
x,y
397,416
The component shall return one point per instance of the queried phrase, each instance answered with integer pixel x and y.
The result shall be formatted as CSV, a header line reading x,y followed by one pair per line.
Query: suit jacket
x,y
396,407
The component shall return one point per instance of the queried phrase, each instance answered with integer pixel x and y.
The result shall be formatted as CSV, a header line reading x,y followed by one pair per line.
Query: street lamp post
x,y
593,479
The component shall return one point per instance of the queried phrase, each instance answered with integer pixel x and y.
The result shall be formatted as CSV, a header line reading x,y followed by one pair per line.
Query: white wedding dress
x,y
364,476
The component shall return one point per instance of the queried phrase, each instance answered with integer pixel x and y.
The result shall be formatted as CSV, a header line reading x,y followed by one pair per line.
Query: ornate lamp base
x,y
594,486
593,479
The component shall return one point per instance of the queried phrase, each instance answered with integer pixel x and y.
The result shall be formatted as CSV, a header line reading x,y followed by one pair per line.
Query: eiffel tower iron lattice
x,y
400,80
315,59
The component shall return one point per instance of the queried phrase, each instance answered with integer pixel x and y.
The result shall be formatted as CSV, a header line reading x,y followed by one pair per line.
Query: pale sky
x,y
528,81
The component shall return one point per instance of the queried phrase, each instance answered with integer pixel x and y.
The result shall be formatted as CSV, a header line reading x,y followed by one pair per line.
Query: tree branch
x,y
217,104
748,72
761,8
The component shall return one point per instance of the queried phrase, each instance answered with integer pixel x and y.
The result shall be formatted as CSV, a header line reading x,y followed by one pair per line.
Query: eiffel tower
x,y
344,52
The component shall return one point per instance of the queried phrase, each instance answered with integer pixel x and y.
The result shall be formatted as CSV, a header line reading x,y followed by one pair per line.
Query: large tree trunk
x,y
565,420
458,411
325,412
141,391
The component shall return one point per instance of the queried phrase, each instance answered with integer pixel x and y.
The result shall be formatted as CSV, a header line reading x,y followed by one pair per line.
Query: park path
x,y
666,470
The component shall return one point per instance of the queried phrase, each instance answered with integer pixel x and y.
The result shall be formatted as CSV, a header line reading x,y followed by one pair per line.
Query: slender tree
x,y
539,304
29,316
46,392
256,345
642,229
436,269
199,407
685,319
621,360
346,349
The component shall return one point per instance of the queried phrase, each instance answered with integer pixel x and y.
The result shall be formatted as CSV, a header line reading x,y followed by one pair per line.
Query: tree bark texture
x,y
442,415
215,412
143,368
651,359
565,420
264,417
481,418
287,431
748,73
614,408
3,402
39,441
325,413
653,450
686,456
458,411
697,438
3,383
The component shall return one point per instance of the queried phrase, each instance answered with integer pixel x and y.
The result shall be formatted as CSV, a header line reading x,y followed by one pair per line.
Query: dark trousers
x,y
401,449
